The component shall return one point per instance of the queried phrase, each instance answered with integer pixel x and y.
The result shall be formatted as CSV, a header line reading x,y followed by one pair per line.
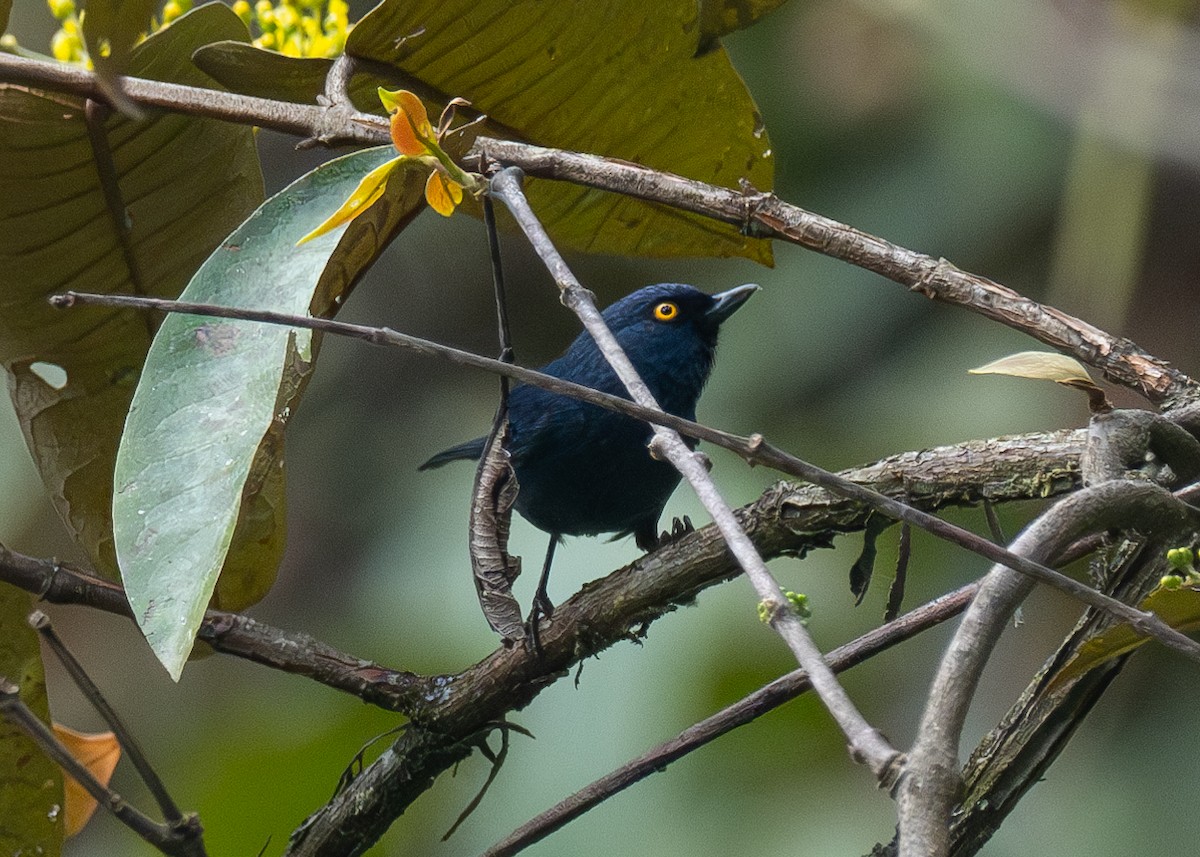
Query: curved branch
x,y
759,214
930,783
229,633
763,215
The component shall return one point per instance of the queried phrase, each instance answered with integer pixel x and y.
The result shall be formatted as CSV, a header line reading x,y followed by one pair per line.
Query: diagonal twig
x,y
742,712
867,744
129,743
754,449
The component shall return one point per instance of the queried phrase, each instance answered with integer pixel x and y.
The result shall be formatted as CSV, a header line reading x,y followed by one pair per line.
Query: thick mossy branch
x,y
788,520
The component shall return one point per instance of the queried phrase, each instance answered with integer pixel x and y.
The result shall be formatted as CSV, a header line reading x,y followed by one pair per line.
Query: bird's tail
x,y
469,451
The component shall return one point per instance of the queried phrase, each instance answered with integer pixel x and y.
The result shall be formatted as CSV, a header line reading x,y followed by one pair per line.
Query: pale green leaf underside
x,y
211,397
1040,365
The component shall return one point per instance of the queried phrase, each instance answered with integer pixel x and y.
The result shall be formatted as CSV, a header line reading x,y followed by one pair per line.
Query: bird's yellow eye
x,y
666,311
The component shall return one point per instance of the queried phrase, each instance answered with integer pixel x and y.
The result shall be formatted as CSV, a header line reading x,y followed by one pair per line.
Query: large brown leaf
x,y
185,183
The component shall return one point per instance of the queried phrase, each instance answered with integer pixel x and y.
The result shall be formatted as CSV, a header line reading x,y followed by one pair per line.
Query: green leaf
x,y
5,9
186,183
110,30
267,74
204,437
721,17
112,27
31,786
620,79
1179,607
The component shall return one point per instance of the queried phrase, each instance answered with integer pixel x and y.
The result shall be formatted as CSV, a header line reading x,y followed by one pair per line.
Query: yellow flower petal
x,y
410,123
368,190
442,193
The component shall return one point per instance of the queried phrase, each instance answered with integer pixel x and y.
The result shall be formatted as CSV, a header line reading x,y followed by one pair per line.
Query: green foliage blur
x,y
1038,143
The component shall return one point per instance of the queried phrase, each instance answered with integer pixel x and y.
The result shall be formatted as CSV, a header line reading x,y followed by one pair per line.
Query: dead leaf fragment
x,y
99,753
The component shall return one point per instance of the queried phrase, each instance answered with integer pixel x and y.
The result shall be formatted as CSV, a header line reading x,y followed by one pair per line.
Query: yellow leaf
x,y
368,191
442,193
98,753
1178,606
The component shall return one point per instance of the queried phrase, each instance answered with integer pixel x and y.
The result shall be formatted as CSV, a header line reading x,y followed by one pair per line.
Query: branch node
x,y
752,202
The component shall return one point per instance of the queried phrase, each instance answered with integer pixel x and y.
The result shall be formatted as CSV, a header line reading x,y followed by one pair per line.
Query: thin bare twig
x,y
742,712
96,115
302,120
129,743
229,633
181,838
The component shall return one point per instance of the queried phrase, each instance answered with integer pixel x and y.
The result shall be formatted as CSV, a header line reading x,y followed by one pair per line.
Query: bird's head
x,y
670,331
673,312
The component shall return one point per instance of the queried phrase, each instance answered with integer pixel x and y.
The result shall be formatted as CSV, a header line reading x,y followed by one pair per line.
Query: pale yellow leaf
x,y
368,191
1042,365
442,194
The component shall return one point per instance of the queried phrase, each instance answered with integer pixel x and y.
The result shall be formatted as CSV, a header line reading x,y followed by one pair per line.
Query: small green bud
x,y
8,43
764,612
799,603
1170,581
171,11
1180,558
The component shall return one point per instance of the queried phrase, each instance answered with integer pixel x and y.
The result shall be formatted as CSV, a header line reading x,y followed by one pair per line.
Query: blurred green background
x,y
1050,145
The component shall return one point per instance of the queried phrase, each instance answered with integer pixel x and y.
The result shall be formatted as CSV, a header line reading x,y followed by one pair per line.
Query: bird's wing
x,y
471,450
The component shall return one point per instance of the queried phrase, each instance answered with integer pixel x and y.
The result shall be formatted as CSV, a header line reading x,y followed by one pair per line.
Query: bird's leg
x,y
542,605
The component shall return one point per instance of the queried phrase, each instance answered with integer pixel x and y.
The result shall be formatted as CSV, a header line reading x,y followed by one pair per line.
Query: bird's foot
x,y
543,608
679,529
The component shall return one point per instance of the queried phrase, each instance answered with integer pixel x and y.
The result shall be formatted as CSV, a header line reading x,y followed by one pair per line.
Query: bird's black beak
x,y
727,303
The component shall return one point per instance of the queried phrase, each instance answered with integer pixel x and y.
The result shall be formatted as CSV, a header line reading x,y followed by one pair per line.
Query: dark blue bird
x,y
582,470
